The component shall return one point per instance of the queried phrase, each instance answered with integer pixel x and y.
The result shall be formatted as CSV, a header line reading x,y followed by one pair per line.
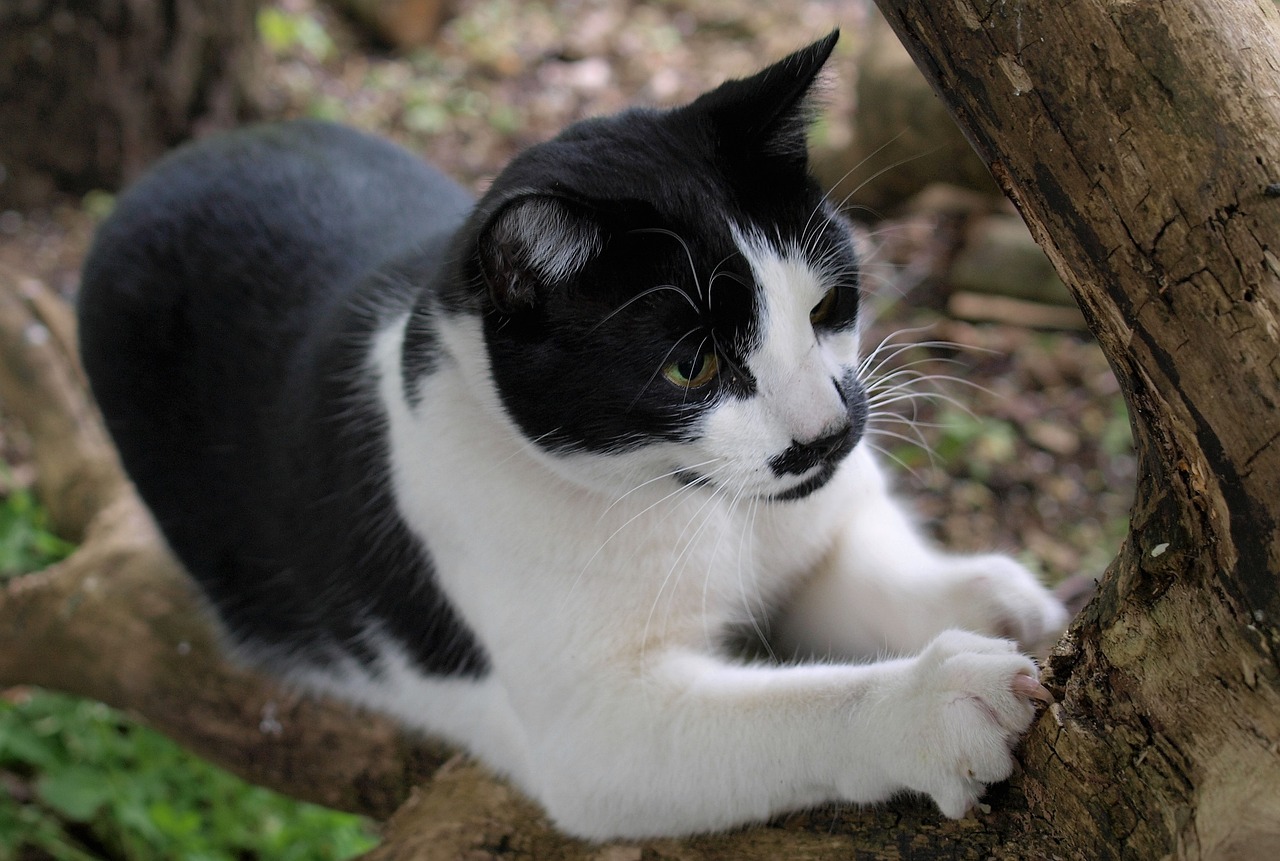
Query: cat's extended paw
x,y
994,595
964,704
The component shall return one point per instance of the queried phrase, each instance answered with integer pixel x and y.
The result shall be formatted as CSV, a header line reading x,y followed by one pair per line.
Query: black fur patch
x,y
225,317
579,362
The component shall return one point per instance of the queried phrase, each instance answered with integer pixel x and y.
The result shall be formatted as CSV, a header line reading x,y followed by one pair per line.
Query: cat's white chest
x,y
509,537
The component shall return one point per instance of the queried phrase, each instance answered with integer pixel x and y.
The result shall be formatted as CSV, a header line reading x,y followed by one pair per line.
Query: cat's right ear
x,y
767,114
533,244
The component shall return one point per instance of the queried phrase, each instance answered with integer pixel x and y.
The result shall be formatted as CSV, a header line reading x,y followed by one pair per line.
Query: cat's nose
x,y
800,457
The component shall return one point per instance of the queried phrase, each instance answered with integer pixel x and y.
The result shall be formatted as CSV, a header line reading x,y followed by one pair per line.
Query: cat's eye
x,y
693,373
822,312
837,308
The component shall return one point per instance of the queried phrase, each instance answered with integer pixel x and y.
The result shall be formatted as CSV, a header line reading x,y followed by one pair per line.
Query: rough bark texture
x,y
91,92
1141,142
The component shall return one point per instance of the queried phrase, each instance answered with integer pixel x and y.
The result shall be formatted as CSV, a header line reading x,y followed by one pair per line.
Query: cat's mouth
x,y
808,485
804,487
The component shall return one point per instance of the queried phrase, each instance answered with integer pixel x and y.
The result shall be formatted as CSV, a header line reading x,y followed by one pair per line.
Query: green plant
x,y
26,544
968,444
79,781
293,33
85,782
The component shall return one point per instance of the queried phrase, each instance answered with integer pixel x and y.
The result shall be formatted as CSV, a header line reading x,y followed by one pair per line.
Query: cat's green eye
x,y
822,312
693,373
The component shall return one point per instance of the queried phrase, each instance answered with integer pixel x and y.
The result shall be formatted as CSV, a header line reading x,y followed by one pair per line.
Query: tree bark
x,y
1141,141
90,93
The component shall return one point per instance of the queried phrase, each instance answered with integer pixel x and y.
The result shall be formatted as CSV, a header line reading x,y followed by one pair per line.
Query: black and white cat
x,y
515,471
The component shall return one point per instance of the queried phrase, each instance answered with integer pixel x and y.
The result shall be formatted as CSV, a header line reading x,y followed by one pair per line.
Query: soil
x,y
1028,436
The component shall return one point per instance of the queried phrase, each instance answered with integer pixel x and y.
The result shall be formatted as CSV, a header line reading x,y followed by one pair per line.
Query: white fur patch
x,y
795,370
555,243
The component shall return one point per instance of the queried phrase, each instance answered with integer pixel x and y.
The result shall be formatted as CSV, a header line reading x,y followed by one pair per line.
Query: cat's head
x,y
667,293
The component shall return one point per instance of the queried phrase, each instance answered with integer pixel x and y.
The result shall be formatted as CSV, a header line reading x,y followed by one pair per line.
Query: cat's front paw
x,y
963,706
994,595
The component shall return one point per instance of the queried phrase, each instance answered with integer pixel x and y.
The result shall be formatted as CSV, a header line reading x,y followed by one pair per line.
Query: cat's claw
x,y
1028,686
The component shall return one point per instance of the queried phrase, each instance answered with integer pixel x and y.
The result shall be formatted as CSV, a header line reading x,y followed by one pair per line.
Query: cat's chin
x,y
805,487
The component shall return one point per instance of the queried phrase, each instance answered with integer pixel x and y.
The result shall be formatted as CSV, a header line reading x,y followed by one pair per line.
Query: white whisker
x,y
641,295
826,197
693,267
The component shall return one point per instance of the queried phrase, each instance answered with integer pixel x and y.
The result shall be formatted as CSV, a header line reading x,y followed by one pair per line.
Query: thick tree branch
x,y
1139,139
43,387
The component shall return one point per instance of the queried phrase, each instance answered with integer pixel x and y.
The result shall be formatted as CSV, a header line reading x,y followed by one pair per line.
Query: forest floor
x,y
1028,450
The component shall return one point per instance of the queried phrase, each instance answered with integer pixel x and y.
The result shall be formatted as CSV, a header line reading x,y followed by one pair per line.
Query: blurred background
x,y
1023,444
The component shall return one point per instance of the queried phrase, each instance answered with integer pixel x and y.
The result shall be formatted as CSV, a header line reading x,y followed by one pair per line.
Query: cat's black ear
x,y
768,114
534,243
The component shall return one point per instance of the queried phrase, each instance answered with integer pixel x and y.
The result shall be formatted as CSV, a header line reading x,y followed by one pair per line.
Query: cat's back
x,y
260,224
226,311
225,270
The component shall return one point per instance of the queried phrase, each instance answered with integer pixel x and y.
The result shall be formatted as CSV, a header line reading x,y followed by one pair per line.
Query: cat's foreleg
x,y
882,588
695,743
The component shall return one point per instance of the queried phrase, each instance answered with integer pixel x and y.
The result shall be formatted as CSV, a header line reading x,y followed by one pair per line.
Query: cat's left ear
x,y
533,243
768,114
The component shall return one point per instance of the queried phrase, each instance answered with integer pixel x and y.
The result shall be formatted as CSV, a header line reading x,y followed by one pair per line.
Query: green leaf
x,y
26,544
75,792
18,743
286,32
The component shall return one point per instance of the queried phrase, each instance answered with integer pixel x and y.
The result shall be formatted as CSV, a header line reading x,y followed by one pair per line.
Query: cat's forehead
x,y
805,246
724,216
671,163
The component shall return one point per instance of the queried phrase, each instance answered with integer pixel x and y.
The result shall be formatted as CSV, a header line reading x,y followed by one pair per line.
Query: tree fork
x,y
1141,143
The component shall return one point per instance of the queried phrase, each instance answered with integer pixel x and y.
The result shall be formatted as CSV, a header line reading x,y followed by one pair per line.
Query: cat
x,y
515,471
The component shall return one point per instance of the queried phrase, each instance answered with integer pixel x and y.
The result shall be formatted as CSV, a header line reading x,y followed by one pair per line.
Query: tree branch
x,y
1138,140
44,388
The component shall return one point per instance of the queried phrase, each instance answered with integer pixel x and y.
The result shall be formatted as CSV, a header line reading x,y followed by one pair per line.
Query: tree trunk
x,y
1141,142
90,93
